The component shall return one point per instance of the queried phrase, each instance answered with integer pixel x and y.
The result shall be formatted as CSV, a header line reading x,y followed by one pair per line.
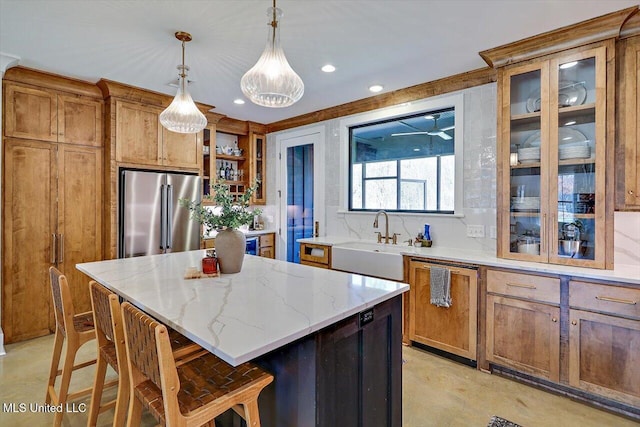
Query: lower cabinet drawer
x,y
605,298
528,286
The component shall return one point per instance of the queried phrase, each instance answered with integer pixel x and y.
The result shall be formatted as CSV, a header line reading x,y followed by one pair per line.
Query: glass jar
x,y
210,262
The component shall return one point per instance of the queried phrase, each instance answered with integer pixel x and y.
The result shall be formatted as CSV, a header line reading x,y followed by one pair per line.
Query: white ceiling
x,y
396,43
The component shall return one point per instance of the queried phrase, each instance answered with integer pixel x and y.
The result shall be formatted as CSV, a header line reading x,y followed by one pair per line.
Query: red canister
x,y
210,262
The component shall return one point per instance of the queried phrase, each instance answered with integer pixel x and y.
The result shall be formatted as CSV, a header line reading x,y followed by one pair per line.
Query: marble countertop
x,y
248,233
621,273
241,316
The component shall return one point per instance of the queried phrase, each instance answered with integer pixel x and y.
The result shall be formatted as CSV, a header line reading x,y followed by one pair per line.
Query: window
x,y
404,164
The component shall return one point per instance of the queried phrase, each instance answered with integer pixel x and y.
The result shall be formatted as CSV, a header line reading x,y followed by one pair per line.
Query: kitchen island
x,y
331,339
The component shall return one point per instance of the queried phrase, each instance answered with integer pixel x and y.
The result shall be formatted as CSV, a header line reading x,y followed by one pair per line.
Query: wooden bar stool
x,y
191,392
111,352
77,330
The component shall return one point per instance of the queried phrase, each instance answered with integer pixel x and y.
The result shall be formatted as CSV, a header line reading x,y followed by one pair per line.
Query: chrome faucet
x,y
386,226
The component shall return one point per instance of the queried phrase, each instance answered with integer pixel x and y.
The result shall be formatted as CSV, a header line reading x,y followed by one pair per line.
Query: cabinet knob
x,y
631,192
554,320
574,323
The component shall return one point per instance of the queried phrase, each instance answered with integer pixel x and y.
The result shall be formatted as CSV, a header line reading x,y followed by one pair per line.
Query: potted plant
x,y
231,211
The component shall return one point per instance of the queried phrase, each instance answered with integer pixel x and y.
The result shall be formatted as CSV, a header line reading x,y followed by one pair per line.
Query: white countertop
x,y
248,233
621,273
241,316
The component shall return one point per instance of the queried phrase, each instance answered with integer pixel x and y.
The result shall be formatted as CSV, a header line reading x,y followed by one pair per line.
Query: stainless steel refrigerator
x,y
151,220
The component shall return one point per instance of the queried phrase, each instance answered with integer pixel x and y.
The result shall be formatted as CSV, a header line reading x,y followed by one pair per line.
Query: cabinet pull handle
x,y
61,254
574,323
452,271
554,320
518,285
53,248
618,300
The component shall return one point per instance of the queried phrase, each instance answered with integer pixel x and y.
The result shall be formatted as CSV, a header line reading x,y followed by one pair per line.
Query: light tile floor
x,y
436,392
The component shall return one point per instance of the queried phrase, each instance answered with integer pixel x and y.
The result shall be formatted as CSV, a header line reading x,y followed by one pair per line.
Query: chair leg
x,y
67,369
122,400
55,361
98,387
135,412
251,413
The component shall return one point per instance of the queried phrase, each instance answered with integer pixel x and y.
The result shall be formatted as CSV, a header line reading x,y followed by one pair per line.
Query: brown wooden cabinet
x,y
52,196
267,245
628,153
554,149
315,255
30,112
141,139
258,167
52,215
452,329
604,340
48,115
522,325
80,120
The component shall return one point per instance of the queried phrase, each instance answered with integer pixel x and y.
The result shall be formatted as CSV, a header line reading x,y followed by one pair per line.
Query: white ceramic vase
x,y
230,248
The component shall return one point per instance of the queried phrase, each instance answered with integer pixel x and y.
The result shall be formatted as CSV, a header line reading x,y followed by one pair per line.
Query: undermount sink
x,y
369,258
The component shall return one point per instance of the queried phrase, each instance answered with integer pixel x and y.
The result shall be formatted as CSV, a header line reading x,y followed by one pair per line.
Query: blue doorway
x,y
299,198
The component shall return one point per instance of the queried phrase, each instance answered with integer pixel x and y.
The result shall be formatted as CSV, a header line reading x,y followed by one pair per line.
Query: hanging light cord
x,y
274,23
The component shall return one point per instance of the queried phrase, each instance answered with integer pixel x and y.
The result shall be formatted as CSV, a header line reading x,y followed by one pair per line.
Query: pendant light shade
x,y
272,82
182,115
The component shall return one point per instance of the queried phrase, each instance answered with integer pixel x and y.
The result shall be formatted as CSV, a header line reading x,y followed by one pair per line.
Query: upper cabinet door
x,y
182,150
578,141
30,113
525,144
79,121
556,121
139,134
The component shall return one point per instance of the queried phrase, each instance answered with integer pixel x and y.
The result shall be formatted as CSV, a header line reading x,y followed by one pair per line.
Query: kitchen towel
x,y
440,287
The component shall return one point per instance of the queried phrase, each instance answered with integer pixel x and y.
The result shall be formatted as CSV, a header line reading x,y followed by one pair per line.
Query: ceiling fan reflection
x,y
434,131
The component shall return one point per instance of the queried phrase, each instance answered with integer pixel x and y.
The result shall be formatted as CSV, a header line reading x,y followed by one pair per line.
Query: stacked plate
x,y
529,155
525,203
582,151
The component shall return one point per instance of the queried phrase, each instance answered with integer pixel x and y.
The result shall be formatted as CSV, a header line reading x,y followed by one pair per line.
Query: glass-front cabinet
x,y
553,152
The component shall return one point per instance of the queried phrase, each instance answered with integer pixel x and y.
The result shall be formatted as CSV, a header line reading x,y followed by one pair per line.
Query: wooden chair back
x,y
63,306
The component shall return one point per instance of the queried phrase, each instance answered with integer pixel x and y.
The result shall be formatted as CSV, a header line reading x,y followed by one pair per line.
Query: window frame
x,y
455,101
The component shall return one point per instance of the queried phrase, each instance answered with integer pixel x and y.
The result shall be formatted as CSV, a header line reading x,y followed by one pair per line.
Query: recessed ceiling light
x,y
328,68
568,65
376,88
238,101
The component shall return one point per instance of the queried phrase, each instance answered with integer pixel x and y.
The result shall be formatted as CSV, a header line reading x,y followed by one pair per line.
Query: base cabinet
x,y
452,329
524,336
315,255
267,245
604,340
347,374
523,323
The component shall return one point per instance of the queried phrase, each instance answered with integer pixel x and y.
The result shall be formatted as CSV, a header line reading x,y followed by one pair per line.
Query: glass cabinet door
x,y
525,115
577,152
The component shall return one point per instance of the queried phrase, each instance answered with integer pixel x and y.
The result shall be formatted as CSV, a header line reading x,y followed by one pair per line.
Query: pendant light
x,y
272,82
182,115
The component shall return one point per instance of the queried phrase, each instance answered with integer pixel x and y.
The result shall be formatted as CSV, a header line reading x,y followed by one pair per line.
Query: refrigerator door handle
x,y
168,227
163,216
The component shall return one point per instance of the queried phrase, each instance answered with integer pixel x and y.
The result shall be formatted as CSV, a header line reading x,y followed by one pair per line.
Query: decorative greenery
x,y
231,211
